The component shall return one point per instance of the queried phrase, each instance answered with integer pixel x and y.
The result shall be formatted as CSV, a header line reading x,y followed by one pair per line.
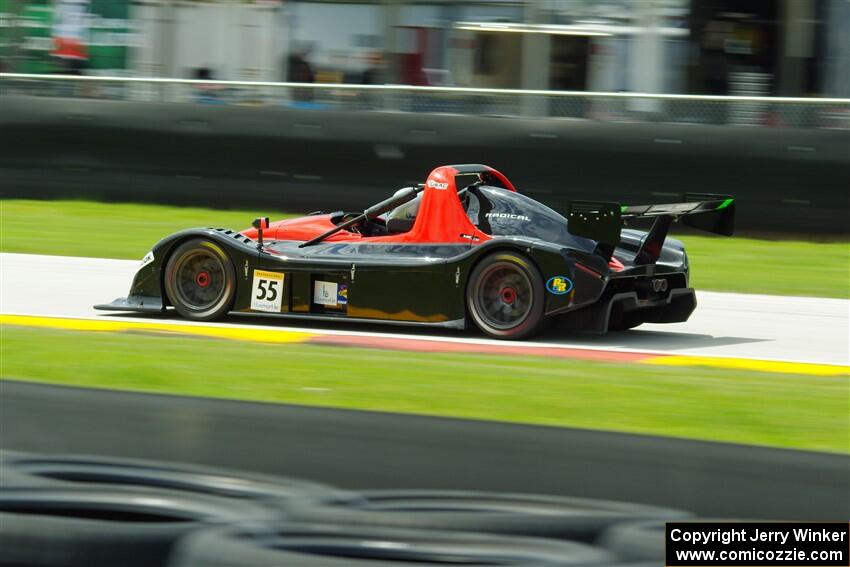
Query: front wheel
x,y
504,296
200,280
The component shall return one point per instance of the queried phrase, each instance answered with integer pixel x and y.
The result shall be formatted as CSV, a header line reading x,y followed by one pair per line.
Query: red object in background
x,y
69,48
69,29
411,56
410,69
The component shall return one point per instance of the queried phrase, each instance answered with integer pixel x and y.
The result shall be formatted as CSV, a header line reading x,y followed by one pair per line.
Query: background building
x,y
771,47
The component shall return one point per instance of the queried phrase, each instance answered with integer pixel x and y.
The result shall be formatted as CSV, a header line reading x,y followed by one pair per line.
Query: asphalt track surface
x,y
794,329
359,449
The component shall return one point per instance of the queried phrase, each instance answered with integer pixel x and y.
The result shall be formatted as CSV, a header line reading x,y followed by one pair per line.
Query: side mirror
x,y
260,224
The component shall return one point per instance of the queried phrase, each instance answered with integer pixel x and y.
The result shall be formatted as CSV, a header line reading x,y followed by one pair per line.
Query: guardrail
x,y
780,112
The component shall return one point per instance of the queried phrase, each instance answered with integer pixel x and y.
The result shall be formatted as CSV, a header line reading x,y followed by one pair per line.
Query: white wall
x,y
236,41
333,31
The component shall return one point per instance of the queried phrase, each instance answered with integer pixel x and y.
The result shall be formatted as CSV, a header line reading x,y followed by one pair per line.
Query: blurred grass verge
x,y
84,228
104,230
780,410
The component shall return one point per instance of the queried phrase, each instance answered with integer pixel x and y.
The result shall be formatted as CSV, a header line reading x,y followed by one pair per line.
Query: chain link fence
x,y
743,111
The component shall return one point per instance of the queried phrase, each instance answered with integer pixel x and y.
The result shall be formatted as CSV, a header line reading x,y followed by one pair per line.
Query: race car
x,y
463,247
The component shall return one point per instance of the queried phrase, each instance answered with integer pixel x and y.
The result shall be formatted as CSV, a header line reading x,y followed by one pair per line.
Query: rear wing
x,y
602,221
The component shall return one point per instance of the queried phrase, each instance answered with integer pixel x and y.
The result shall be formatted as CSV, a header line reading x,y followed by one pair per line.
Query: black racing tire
x,y
306,545
82,470
98,526
579,519
505,296
200,280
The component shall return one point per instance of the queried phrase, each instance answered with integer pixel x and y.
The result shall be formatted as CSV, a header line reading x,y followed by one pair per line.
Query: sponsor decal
x,y
559,285
325,293
65,34
342,294
507,216
267,291
70,28
146,260
437,185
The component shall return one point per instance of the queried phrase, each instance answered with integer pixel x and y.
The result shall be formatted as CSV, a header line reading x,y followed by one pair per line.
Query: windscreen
x,y
499,212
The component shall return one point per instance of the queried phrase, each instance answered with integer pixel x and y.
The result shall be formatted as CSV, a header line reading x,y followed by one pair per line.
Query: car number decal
x,y
267,291
325,293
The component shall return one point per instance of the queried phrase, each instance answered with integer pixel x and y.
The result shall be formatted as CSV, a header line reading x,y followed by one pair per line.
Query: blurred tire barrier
x,y
337,546
11,478
579,519
643,541
93,511
785,179
91,526
24,468
638,541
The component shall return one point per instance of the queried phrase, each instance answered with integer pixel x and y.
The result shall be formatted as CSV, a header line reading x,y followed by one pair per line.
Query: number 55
x,y
268,294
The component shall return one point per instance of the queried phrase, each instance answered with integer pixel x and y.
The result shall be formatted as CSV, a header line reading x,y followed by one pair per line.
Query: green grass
x,y
774,267
780,410
104,230
81,228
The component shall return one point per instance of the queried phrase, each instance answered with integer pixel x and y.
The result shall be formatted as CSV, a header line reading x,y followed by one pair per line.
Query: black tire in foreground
x,y
505,296
635,541
11,478
338,546
642,541
106,526
34,469
200,280
517,514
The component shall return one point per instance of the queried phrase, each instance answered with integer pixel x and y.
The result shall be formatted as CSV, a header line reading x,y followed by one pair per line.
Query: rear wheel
x,y
200,280
505,296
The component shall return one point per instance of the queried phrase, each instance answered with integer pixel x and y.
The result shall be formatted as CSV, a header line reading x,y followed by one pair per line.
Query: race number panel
x,y
325,293
267,291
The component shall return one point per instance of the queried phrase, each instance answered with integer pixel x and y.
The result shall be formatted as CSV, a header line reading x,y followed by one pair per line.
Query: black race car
x,y
464,246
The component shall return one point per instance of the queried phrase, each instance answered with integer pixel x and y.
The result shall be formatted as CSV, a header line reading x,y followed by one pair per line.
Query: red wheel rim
x,y
508,295
503,296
